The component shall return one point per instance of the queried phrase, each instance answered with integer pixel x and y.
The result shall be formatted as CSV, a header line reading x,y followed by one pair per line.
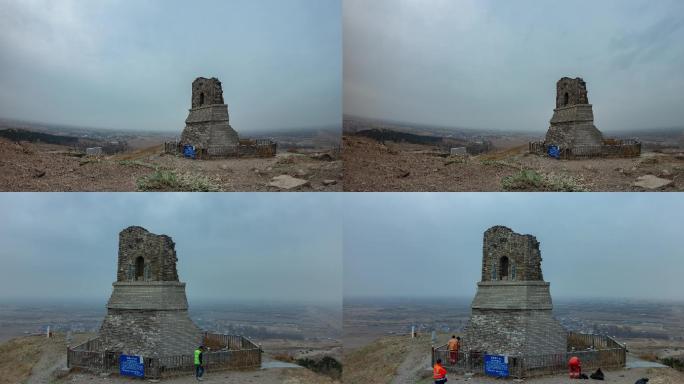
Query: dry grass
x,y
18,356
285,357
504,153
375,363
140,153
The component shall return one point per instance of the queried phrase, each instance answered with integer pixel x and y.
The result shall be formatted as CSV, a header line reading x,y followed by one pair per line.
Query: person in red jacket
x,y
439,373
575,366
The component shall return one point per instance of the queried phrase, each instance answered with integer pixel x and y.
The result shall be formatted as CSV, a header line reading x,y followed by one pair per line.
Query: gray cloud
x,y
236,246
493,64
129,64
594,245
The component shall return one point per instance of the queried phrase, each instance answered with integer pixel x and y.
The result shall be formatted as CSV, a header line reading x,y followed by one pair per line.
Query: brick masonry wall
x,y
158,252
521,250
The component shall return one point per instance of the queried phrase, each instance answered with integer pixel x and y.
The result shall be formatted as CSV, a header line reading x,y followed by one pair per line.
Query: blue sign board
x,y
131,366
189,151
496,365
554,151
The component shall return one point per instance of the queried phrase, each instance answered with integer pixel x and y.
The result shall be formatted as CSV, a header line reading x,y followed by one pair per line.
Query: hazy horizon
x,y
494,64
593,245
130,65
238,246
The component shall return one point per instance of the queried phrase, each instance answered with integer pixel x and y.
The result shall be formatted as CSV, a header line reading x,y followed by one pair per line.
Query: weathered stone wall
x,y
157,251
522,251
157,295
206,92
571,92
513,332
149,333
512,295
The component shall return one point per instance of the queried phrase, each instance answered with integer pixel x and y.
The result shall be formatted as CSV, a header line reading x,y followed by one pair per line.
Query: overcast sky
x,y
130,64
232,246
593,245
494,64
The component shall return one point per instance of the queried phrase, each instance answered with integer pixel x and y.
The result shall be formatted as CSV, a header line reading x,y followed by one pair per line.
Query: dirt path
x,y
52,359
412,369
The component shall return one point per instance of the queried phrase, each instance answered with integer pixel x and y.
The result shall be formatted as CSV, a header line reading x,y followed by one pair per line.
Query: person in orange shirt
x,y
439,373
452,346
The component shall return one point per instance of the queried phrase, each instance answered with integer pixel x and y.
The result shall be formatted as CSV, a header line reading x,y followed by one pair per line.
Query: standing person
x,y
453,346
199,366
439,373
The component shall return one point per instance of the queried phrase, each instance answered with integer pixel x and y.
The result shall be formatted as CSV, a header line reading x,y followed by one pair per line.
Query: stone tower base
x,y
573,126
149,319
514,317
208,126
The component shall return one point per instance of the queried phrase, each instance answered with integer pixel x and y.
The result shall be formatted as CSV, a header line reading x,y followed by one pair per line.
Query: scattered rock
x,y
329,182
287,182
403,173
665,173
37,173
302,173
649,160
679,156
651,182
225,167
321,156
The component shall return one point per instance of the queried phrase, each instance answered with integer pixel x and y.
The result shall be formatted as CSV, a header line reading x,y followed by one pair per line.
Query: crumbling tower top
x,y
206,92
507,255
571,92
144,256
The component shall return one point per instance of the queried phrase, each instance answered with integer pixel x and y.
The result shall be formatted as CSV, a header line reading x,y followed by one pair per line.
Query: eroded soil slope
x,y
43,167
372,166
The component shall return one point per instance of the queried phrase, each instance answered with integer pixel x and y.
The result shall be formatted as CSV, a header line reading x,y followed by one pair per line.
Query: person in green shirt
x,y
199,367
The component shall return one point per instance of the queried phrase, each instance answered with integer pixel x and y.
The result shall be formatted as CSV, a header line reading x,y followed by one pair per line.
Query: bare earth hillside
x,y
45,167
400,359
372,166
39,360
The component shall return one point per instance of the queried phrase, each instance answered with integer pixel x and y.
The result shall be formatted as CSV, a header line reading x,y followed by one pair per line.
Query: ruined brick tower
x,y
511,312
147,313
572,124
207,123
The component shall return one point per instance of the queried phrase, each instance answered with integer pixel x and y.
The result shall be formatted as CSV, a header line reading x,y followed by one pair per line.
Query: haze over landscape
x,y
494,64
593,245
129,65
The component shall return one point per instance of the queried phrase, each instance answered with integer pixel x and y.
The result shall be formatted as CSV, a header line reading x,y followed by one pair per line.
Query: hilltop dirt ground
x,y
38,360
372,166
400,359
45,167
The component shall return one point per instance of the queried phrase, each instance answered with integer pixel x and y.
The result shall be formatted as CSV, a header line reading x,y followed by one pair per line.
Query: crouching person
x,y
439,373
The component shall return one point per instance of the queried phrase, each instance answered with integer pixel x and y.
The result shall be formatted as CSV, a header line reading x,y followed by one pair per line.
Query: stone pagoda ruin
x,y
147,319
207,123
208,134
572,124
511,330
147,313
572,133
511,312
